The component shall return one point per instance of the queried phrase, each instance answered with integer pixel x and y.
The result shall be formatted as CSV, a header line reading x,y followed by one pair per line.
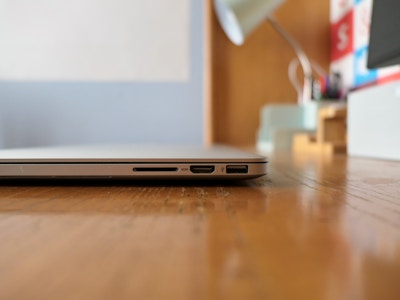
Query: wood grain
x,y
314,228
243,79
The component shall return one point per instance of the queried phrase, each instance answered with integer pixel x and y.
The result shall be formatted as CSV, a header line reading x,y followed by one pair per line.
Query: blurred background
x,y
64,78
101,72
156,72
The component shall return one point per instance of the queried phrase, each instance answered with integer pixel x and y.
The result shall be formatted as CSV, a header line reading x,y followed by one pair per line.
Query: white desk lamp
x,y
238,19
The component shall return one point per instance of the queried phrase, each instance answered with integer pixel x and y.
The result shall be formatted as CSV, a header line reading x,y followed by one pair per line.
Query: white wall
x,y
143,106
119,40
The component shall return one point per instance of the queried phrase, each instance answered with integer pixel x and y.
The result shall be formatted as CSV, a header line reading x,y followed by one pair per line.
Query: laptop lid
x,y
131,161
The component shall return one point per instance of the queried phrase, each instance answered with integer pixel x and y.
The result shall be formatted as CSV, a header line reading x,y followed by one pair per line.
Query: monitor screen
x,y
384,44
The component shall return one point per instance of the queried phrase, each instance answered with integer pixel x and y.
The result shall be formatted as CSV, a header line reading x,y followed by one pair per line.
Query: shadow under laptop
x,y
109,182
136,198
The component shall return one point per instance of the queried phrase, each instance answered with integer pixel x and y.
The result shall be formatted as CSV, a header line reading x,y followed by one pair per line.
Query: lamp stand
x,y
305,96
280,122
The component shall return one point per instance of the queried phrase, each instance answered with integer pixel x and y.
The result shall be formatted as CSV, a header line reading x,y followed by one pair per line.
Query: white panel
x,y
118,40
373,122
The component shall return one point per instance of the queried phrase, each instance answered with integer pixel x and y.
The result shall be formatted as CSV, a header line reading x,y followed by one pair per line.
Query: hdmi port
x,y
202,169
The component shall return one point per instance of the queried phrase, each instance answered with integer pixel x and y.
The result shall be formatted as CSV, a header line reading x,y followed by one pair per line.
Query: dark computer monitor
x,y
384,44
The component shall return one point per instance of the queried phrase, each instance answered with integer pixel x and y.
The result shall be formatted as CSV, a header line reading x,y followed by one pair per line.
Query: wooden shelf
x,y
330,137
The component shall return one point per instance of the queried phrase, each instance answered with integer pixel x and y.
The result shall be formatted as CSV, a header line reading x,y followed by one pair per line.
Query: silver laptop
x,y
136,162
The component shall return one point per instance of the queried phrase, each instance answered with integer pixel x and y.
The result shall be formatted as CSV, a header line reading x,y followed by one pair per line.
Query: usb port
x,y
237,169
202,169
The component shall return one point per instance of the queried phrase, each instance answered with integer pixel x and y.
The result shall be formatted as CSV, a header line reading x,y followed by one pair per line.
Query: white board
x,y
95,40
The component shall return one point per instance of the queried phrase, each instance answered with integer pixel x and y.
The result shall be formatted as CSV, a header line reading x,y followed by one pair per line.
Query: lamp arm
x,y
303,59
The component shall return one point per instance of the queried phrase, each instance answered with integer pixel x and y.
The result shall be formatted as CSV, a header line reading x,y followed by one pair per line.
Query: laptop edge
x,y
131,162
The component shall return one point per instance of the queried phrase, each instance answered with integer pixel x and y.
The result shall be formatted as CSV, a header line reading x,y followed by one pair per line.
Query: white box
x,y
373,121
280,122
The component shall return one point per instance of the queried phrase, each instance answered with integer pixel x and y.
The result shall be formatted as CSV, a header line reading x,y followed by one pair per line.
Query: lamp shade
x,y
239,18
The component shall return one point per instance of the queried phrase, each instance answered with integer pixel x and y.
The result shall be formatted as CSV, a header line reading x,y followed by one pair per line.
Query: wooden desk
x,y
313,229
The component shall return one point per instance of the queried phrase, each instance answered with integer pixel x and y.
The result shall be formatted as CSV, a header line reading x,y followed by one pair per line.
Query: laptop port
x,y
155,169
202,169
237,169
